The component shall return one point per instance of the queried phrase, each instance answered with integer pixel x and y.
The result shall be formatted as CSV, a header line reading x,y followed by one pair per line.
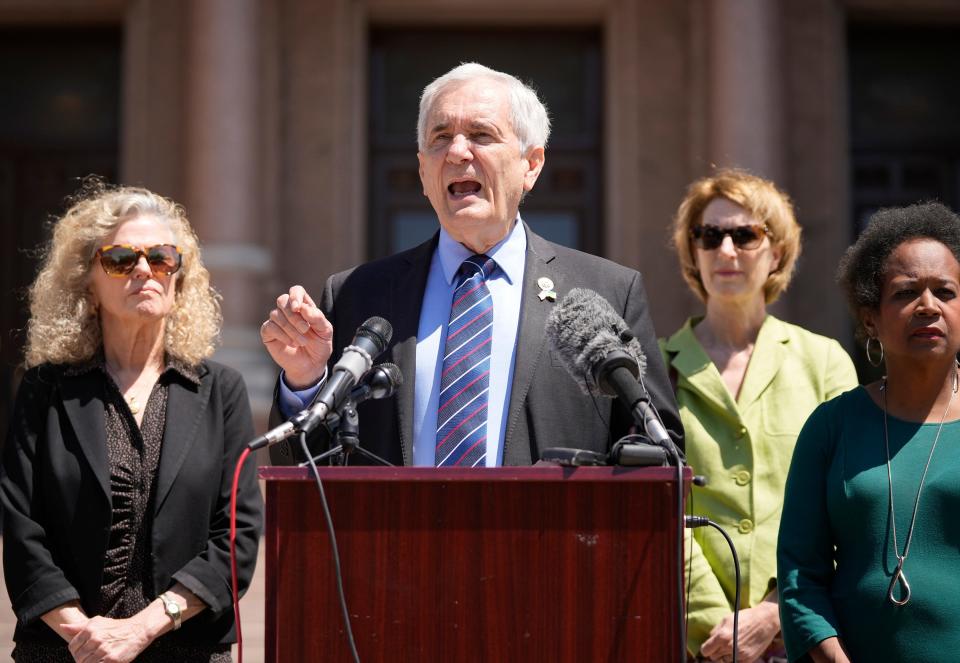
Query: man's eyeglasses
x,y
120,259
709,237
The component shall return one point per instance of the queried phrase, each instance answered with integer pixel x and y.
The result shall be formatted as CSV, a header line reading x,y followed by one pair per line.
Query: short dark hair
x,y
862,267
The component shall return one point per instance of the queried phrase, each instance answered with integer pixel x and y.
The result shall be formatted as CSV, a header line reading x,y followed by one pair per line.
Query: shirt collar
x,y
509,253
97,362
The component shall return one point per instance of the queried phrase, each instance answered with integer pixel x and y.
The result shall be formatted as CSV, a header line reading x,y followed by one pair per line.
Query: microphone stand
x,y
347,438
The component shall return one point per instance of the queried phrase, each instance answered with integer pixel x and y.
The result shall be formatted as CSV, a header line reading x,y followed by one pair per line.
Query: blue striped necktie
x,y
465,376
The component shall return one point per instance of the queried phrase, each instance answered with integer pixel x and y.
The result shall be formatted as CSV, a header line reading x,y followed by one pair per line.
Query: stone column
x,y
815,53
744,88
222,177
745,125
647,146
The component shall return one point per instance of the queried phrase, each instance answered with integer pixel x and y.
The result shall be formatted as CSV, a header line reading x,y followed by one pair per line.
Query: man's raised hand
x,y
298,337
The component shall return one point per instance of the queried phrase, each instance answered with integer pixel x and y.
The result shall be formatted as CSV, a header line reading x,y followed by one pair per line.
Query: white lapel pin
x,y
546,289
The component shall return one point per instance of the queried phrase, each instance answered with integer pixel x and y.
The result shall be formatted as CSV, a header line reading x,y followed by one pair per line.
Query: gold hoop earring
x,y
870,357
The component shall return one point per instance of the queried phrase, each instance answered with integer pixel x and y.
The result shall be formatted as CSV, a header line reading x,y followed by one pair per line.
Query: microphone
x,y
381,381
600,352
371,339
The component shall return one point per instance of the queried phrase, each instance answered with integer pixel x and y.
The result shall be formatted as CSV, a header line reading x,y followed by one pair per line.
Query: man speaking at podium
x,y
481,384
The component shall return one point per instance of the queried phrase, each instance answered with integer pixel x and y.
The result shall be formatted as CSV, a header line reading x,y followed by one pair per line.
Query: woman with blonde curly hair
x,y
119,460
745,383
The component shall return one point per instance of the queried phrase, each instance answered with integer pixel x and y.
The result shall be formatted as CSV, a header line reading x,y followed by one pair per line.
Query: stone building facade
x,y
278,124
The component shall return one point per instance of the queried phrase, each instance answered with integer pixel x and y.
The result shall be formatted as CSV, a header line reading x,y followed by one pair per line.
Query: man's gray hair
x,y
528,115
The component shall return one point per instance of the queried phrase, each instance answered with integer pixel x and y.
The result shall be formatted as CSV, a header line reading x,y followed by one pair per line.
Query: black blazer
x,y
547,408
55,487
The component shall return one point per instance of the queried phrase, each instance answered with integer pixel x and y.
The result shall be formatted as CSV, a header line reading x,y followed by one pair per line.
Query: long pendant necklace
x,y
898,575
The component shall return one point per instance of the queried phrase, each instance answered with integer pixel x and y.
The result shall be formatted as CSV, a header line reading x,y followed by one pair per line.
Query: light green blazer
x,y
744,447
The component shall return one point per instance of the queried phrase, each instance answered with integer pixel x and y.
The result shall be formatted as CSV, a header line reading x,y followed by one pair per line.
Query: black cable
x,y
333,547
606,426
700,521
679,463
686,620
681,613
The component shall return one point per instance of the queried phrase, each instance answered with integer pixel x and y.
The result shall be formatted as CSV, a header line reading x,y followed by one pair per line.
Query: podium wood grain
x,y
509,564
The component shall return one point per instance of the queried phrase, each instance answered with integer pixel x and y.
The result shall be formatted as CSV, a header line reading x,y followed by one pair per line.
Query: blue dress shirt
x,y
506,288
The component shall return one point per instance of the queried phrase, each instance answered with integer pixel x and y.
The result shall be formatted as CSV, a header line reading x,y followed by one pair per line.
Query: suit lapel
x,y
83,402
186,403
696,372
531,339
768,356
406,302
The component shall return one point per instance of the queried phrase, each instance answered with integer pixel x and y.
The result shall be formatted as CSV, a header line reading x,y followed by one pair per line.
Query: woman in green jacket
x,y
745,383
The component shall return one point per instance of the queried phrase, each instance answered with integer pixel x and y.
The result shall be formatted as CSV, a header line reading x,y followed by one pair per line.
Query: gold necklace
x,y
133,404
898,575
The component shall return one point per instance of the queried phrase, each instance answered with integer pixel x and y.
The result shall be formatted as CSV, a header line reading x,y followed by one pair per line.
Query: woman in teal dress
x,y
745,383
869,546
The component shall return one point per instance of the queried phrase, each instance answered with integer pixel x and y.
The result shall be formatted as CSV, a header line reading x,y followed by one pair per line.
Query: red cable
x,y
233,551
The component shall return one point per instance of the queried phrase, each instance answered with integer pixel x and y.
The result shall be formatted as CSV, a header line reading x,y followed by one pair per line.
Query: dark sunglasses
x,y
120,259
709,237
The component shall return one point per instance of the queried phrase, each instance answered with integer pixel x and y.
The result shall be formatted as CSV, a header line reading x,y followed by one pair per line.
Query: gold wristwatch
x,y
172,608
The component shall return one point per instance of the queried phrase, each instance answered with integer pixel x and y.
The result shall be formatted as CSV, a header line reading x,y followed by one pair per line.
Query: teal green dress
x,y
835,556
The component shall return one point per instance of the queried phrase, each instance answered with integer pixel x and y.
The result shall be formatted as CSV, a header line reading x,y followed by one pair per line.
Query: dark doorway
x,y
564,66
905,138
59,121
904,101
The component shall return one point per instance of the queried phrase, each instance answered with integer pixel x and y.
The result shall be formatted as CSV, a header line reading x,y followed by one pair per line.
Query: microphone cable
x,y
233,550
678,462
333,547
681,514
681,613
701,521
689,565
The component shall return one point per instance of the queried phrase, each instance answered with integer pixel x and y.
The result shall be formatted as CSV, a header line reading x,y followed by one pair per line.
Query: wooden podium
x,y
540,563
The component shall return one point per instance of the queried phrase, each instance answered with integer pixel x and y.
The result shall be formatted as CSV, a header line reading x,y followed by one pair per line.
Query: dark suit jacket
x,y
55,488
547,408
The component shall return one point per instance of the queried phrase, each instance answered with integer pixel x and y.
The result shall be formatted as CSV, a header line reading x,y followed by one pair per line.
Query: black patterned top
x,y
134,455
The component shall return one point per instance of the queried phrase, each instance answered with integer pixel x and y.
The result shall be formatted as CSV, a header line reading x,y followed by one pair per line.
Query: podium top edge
x,y
538,473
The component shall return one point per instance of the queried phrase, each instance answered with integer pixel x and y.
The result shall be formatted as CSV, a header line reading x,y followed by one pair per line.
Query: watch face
x,y
172,608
